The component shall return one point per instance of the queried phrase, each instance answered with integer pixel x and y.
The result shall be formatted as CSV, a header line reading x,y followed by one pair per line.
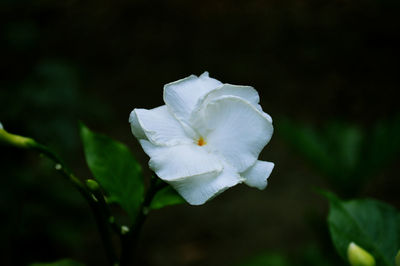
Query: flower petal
x,y
158,126
236,130
257,175
198,189
182,96
182,161
247,93
136,128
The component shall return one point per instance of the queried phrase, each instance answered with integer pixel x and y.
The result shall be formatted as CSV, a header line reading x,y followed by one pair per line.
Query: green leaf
x,y
116,170
63,262
371,224
165,197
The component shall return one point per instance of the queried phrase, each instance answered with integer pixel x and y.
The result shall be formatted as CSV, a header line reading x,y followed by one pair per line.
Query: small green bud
x,y
398,259
124,229
92,185
358,256
15,140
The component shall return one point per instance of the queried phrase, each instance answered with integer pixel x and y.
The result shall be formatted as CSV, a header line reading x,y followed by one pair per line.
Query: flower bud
x,y
15,140
124,229
92,185
358,256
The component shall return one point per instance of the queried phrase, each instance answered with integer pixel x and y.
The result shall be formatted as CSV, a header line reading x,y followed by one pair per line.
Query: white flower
x,y
206,138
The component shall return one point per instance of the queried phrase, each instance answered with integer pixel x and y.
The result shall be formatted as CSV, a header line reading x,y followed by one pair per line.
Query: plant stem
x,y
105,210
98,214
96,202
60,166
104,231
130,239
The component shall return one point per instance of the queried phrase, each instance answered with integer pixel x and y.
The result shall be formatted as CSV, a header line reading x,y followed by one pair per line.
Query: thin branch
x,y
60,166
129,240
99,215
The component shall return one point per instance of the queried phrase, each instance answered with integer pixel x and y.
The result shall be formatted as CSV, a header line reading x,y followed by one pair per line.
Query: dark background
x,y
311,61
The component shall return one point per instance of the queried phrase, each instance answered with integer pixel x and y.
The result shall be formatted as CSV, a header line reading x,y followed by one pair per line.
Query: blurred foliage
x,y
311,255
64,262
347,154
44,103
47,103
371,224
398,258
275,259
35,227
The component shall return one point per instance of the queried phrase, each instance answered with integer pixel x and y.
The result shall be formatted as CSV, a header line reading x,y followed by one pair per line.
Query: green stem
x,y
129,240
104,208
96,202
104,231
101,220
98,213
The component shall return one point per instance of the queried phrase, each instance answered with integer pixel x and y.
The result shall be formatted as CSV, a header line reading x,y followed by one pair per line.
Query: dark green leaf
x,y
115,169
63,262
165,197
371,224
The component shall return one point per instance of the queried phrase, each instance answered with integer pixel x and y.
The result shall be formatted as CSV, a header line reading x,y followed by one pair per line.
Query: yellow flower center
x,y
201,142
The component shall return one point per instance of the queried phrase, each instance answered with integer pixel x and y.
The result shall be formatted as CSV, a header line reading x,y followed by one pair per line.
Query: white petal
x,y
257,175
265,114
136,128
158,126
182,96
179,162
195,173
198,189
236,130
247,93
